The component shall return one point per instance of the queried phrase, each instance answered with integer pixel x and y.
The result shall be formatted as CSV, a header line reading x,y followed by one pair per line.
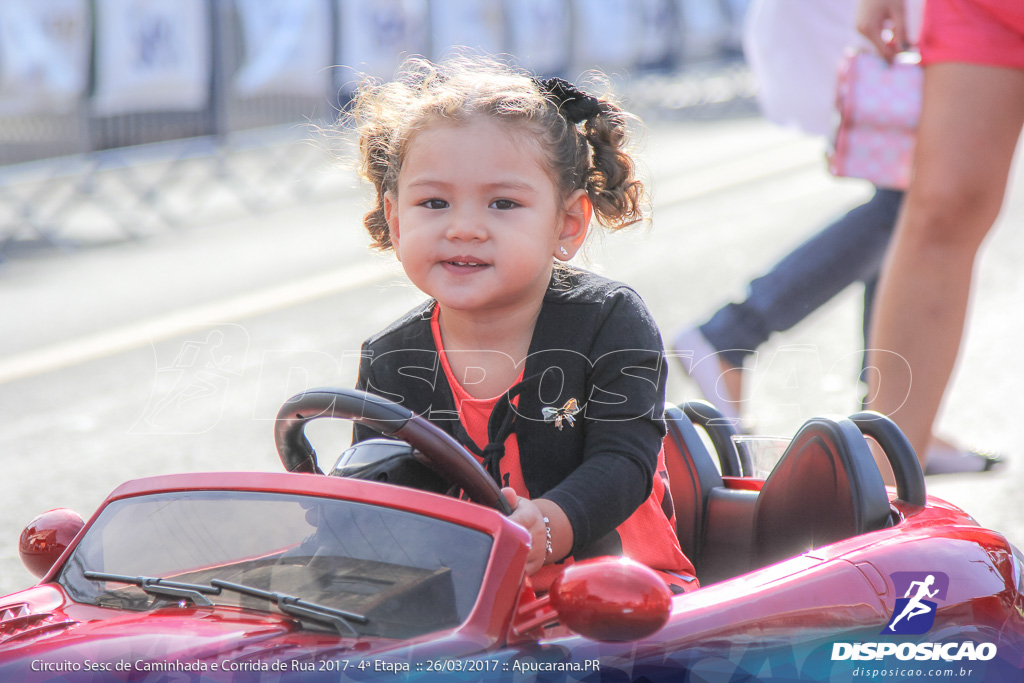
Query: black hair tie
x,y
572,102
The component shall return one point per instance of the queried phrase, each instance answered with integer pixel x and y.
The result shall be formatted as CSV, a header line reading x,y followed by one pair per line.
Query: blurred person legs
x,y
970,123
847,251
972,114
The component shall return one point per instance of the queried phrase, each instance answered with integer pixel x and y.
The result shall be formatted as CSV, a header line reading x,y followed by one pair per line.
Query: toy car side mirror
x,y
610,599
46,537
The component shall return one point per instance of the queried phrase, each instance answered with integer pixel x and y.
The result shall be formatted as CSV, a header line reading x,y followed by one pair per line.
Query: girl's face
x,y
477,218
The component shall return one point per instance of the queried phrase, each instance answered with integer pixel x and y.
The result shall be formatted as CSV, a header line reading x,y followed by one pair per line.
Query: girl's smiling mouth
x,y
464,264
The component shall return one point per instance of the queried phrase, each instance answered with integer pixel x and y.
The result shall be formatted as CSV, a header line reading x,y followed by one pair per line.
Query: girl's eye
x,y
503,204
435,204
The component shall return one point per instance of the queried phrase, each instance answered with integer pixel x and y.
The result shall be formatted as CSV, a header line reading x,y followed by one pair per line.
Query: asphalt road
x,y
173,353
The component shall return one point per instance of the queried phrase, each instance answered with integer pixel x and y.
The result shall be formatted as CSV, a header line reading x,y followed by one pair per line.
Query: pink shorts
x,y
989,32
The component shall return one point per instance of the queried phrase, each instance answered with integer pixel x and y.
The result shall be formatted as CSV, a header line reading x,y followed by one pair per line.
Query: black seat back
x,y
691,477
825,488
714,523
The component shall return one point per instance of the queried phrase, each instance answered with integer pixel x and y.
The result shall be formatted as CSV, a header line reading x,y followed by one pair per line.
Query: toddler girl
x,y
486,180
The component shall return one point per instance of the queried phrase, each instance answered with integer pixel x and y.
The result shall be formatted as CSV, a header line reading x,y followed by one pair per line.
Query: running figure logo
x,y
190,389
914,613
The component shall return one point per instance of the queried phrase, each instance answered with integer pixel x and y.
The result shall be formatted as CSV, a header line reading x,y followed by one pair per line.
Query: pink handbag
x,y
879,105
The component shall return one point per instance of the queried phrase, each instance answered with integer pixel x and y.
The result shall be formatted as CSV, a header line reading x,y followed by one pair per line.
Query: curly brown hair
x,y
588,155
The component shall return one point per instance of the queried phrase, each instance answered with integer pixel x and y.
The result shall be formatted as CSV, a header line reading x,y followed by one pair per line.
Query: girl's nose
x,y
466,226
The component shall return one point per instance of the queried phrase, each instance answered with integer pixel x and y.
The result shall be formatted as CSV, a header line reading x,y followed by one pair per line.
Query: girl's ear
x,y
575,222
391,216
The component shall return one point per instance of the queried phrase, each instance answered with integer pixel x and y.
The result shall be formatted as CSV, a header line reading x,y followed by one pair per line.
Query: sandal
x,y
943,459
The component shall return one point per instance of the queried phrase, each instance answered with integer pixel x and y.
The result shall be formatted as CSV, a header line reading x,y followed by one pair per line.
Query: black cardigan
x,y
594,341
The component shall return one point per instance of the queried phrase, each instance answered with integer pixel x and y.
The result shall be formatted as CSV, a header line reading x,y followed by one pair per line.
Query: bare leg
x,y
971,120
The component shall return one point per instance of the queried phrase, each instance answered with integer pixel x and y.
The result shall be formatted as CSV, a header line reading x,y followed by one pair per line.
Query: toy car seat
x,y
825,488
691,475
714,523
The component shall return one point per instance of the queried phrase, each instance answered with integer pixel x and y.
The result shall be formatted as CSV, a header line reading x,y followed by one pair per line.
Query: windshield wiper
x,y
297,607
156,586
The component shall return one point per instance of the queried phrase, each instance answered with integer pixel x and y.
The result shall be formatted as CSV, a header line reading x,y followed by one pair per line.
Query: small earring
x,y
563,251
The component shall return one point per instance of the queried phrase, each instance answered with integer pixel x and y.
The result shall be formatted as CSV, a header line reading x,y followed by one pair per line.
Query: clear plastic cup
x,y
763,452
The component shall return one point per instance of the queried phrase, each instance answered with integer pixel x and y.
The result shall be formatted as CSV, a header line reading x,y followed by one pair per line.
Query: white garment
x,y
794,48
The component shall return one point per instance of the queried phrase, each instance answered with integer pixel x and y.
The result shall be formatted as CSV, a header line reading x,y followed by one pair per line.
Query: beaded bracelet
x,y
547,542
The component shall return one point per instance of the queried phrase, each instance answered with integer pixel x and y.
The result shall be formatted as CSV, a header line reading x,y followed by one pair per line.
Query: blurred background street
x,y
139,341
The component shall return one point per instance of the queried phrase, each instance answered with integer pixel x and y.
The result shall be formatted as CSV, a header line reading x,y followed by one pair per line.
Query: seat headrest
x,y
825,488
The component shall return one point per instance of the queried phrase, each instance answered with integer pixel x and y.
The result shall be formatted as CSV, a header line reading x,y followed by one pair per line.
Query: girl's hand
x,y
526,514
874,16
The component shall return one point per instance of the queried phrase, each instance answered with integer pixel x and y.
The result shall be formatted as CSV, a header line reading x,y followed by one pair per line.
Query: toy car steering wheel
x,y
431,446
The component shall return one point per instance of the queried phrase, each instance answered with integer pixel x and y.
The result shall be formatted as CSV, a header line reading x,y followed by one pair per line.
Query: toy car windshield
x,y
404,574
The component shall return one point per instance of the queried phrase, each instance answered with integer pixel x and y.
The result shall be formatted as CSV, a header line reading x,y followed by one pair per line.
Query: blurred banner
x,y
44,55
152,55
474,24
606,34
659,33
135,101
288,47
539,34
374,37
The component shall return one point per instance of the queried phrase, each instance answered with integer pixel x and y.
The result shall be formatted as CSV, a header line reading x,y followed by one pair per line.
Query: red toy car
x,y
811,574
